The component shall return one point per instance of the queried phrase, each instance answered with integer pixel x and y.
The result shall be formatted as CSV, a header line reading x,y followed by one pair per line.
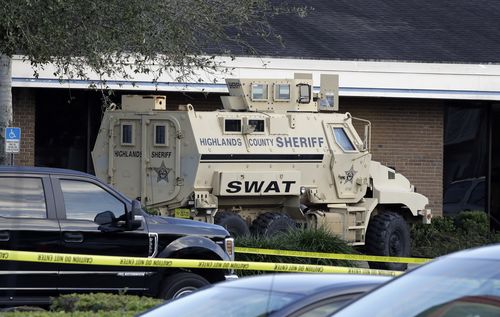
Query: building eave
x,y
357,78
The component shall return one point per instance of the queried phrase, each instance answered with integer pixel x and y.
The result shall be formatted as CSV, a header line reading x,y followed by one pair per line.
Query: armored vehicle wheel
x,y
181,284
233,222
271,223
388,235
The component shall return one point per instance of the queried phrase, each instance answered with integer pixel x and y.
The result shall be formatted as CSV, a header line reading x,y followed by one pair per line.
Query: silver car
x,y
311,295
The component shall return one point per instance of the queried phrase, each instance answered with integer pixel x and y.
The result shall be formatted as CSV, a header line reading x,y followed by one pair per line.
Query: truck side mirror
x,y
132,223
136,208
104,218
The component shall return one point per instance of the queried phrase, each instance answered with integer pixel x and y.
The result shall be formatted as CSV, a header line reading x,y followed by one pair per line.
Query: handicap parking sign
x,y
12,140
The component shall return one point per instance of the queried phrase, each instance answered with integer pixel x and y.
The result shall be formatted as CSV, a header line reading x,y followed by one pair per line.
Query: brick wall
x,y
23,102
407,134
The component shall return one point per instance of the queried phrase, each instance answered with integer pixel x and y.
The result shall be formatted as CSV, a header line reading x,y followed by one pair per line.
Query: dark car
x,y
272,295
463,284
465,195
62,211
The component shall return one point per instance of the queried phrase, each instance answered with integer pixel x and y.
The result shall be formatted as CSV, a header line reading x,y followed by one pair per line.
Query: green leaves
x,y
119,38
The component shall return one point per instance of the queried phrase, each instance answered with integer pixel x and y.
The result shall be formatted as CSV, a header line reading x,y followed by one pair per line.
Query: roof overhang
x,y
357,78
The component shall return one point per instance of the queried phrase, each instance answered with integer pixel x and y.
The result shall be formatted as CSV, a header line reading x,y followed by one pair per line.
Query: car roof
x,y
301,283
489,252
41,170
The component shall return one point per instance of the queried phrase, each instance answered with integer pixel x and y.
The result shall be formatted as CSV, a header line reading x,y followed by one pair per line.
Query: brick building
x,y
424,73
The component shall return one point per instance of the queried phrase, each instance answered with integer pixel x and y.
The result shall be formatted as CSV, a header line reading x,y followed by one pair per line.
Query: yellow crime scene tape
x,y
44,257
334,256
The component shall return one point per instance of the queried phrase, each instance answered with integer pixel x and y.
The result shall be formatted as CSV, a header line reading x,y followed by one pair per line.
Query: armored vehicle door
x,y
145,151
349,164
164,164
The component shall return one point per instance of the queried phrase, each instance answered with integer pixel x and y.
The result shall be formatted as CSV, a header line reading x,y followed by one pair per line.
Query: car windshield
x,y
227,302
455,192
446,288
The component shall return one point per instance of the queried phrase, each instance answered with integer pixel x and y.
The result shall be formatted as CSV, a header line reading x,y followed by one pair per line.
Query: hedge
x,y
446,235
92,305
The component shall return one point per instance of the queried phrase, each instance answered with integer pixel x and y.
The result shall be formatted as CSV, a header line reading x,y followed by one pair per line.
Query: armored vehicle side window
x,y
304,93
127,134
259,92
22,198
282,92
232,125
343,140
257,124
160,135
84,200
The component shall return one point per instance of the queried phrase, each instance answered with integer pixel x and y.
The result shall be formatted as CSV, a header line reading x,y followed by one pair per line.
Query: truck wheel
x,y
271,223
181,284
233,222
388,235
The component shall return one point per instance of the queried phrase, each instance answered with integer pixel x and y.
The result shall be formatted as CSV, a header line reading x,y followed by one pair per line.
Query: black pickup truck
x,y
63,211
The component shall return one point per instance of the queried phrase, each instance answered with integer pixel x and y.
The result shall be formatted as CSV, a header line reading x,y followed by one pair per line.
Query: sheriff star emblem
x,y
162,172
349,175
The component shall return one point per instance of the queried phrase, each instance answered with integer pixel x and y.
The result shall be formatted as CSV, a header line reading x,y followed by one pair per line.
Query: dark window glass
x,y
22,198
232,125
84,200
160,136
456,192
343,140
477,196
127,134
258,124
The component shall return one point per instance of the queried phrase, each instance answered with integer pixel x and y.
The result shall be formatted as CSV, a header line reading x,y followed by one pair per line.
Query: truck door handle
x,y
73,237
4,236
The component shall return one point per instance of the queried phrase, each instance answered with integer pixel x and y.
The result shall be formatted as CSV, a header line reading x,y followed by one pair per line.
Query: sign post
x,y
12,142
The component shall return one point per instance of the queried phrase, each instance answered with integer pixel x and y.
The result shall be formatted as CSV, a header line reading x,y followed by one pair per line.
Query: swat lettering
x,y
157,154
258,187
220,142
296,141
128,153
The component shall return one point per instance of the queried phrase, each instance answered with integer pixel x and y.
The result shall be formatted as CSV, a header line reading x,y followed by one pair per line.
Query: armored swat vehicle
x,y
277,156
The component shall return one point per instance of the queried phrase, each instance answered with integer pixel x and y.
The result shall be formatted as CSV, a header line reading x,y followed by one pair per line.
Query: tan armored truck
x,y
277,156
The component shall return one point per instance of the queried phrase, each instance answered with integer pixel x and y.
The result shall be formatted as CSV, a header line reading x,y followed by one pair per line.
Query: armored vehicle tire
x,y
388,235
181,284
233,222
271,223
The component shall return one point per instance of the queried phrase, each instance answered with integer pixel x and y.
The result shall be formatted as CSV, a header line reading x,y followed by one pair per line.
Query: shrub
x,y
100,302
445,235
310,240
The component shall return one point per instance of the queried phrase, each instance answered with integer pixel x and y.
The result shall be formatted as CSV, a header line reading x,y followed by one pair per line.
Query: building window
x,y
343,140
22,197
127,134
